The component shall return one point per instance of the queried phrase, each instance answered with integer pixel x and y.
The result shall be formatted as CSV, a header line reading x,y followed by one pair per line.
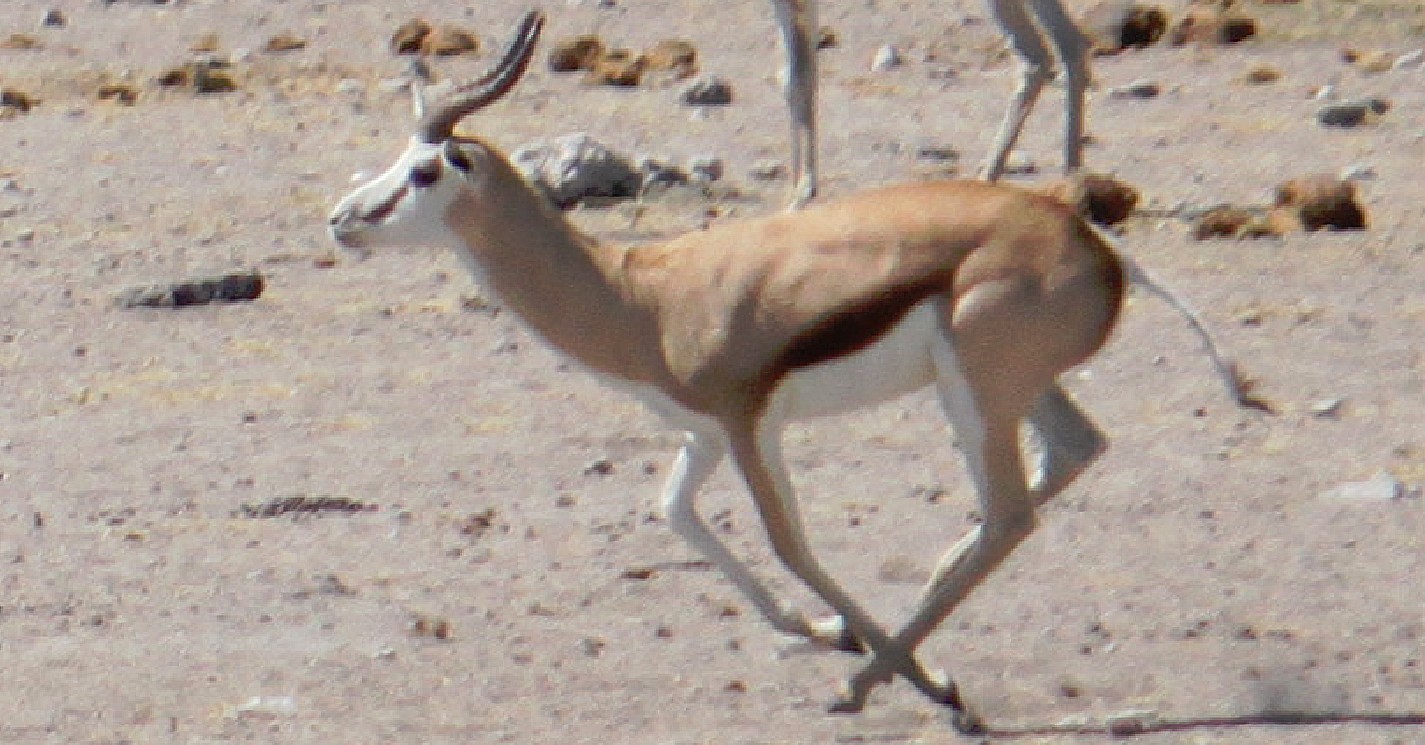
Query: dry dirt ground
x,y
1202,569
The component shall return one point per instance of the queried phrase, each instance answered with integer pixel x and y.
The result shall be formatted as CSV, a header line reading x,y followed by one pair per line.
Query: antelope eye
x,y
458,159
425,174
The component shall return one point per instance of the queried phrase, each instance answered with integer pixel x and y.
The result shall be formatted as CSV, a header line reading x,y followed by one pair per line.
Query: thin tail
x,y
1239,387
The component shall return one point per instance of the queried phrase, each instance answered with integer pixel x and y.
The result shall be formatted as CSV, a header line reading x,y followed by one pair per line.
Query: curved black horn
x,y
439,124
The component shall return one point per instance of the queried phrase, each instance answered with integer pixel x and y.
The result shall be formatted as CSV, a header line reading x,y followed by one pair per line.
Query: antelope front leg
x,y
759,458
699,458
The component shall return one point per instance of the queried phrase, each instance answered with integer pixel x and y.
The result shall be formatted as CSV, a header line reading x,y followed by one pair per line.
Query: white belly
x,y
898,363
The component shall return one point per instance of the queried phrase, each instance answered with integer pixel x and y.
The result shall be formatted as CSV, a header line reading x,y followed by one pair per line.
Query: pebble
x,y
705,169
1359,172
1378,488
707,91
1327,408
1137,90
887,58
1351,113
767,170
1133,722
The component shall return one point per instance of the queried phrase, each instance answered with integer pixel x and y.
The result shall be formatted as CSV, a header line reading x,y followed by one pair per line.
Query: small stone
x,y
1132,722
1359,172
1020,165
1352,113
937,154
119,93
1326,408
707,91
576,53
1381,487
592,647
767,170
449,41
22,42
206,43
284,42
1138,90
1261,75
705,169
887,58
599,467
407,37
53,18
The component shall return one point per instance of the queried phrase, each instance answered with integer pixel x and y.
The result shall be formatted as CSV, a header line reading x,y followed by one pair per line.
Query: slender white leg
x,y
758,455
698,459
1037,66
796,20
1071,47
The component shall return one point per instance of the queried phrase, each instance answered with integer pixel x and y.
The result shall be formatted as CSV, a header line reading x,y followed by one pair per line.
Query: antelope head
x,y
407,205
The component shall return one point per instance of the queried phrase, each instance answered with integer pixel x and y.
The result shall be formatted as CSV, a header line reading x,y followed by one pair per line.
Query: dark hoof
x,y
966,723
845,704
848,642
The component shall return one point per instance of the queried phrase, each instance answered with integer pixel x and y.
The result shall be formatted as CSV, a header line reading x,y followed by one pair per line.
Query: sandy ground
x,y
499,589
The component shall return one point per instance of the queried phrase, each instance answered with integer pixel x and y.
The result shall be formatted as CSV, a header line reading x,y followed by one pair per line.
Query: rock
x,y
1138,89
22,42
575,167
705,169
1212,22
1369,62
576,53
1321,201
449,41
620,68
1352,113
234,287
206,43
1378,488
119,93
14,102
350,87
284,42
1227,221
1117,25
887,58
1326,408
707,91
1133,722
1261,75
409,36
53,18
675,57
1359,172
767,170
657,173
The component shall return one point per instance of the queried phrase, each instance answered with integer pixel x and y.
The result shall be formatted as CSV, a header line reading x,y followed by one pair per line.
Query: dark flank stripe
x,y
855,327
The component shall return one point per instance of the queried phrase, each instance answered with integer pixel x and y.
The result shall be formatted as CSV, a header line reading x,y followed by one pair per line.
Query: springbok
x,y
985,291
1025,22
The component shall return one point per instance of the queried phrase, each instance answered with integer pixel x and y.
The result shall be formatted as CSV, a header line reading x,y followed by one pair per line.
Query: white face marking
x,y
395,209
